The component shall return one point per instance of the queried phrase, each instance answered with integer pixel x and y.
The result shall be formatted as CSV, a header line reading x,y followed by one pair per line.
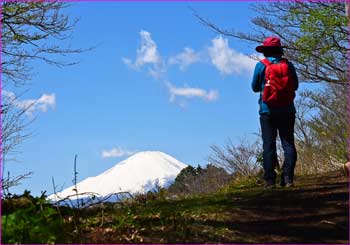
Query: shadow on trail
x,y
315,213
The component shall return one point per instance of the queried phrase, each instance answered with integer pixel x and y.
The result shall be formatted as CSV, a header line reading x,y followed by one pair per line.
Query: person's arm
x,y
294,74
256,83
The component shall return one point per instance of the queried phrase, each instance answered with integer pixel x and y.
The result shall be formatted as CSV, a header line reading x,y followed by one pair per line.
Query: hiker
x,y
276,80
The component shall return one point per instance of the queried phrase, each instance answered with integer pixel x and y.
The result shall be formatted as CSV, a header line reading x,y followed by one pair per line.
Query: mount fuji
x,y
139,173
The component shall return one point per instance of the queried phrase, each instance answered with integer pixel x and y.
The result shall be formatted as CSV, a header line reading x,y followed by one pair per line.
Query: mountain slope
x,y
315,211
137,174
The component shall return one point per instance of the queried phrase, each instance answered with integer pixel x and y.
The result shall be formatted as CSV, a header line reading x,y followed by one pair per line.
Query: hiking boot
x,y
283,182
287,181
269,185
289,185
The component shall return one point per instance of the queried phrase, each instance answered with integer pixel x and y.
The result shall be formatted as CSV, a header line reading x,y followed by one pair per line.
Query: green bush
x,y
38,222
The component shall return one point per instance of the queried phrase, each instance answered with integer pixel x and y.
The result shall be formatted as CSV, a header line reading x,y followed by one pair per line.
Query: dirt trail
x,y
315,212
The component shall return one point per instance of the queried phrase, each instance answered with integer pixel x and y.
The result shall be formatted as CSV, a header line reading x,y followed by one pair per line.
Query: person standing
x,y
276,80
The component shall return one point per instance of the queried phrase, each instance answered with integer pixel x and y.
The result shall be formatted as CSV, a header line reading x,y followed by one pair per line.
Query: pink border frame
x,y
157,1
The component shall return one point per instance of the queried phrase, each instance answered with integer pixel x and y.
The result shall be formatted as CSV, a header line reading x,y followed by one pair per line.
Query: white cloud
x,y
185,58
116,152
157,70
227,60
188,92
128,62
147,52
43,104
148,56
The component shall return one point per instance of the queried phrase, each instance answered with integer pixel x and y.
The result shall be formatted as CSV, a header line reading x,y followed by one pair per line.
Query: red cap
x,y
270,42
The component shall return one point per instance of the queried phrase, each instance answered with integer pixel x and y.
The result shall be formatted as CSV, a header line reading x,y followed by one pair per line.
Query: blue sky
x,y
157,80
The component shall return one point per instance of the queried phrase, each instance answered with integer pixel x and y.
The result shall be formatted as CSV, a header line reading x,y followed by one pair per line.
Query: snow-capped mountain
x,y
137,174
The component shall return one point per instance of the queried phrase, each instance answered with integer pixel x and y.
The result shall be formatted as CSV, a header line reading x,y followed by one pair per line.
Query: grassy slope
x,y
315,211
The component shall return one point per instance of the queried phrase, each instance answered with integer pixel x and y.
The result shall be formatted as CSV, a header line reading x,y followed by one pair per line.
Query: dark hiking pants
x,y
283,124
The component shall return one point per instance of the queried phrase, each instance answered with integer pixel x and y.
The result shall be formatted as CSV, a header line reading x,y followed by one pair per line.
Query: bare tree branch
x,y
26,27
316,34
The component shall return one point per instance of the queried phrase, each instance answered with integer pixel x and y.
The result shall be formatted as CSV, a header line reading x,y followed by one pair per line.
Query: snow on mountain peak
x,y
139,173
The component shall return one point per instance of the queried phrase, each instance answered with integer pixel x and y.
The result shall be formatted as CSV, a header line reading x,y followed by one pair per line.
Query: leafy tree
x,y
186,172
326,128
199,180
315,32
181,181
211,179
32,220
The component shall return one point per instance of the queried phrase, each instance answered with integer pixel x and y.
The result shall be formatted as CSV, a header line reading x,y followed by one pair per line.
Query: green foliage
x,y
236,216
193,180
242,183
315,33
316,36
186,172
232,215
331,123
36,222
321,28
181,180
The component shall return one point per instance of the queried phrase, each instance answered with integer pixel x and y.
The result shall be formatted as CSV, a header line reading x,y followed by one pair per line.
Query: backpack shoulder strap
x,y
266,62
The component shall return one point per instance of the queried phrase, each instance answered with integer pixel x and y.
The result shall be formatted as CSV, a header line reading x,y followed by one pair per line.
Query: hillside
x,y
315,211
